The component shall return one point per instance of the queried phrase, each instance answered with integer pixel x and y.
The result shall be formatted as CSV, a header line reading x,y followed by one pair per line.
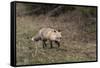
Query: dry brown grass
x,y
76,45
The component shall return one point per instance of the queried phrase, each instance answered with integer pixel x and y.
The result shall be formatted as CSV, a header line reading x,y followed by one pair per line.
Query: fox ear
x,y
54,30
59,30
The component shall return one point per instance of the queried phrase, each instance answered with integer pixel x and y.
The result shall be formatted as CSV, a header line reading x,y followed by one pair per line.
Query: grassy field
x,y
78,36
78,27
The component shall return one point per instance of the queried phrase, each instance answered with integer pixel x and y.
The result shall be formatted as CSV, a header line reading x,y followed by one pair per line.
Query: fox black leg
x,y
51,44
44,43
57,43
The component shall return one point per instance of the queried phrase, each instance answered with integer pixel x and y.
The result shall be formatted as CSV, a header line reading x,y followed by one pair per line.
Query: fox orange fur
x,y
48,34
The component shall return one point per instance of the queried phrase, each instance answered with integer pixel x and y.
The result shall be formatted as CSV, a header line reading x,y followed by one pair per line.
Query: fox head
x,y
56,35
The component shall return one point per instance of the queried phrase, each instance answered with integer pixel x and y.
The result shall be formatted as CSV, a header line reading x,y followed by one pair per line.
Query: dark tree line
x,y
54,9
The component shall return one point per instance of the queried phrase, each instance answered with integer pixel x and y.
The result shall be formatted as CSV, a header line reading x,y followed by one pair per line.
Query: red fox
x,y
48,34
